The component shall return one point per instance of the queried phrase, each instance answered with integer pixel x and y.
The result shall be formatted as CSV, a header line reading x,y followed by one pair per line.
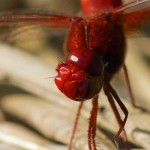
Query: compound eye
x,y
77,84
72,82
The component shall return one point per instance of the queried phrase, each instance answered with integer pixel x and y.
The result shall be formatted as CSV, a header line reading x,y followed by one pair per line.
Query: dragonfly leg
x,y
75,126
92,124
110,93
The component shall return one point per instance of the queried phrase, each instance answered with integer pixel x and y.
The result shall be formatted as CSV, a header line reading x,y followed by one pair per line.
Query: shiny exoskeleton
x,y
96,50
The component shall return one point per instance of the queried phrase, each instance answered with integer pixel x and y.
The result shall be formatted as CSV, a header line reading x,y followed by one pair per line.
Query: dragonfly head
x,y
76,82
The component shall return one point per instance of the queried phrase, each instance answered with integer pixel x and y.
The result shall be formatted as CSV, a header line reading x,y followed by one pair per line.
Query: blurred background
x,y
34,115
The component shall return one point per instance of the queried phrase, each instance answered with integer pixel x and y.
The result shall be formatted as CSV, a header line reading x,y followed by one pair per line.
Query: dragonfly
x,y
95,52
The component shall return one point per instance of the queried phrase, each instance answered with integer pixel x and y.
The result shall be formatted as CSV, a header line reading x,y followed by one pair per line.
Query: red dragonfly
x,y
95,52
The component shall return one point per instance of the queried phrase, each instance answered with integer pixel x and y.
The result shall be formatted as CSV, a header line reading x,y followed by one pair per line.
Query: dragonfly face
x,y
77,84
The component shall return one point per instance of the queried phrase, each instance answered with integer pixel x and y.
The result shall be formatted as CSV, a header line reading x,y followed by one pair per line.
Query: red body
x,y
96,51
102,36
96,45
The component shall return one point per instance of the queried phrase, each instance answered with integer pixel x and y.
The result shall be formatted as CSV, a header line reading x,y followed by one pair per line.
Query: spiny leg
x,y
92,124
129,88
75,125
118,118
122,106
108,91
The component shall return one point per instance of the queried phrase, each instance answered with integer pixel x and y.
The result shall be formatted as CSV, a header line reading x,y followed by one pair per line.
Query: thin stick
x,y
130,89
92,124
75,126
129,85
